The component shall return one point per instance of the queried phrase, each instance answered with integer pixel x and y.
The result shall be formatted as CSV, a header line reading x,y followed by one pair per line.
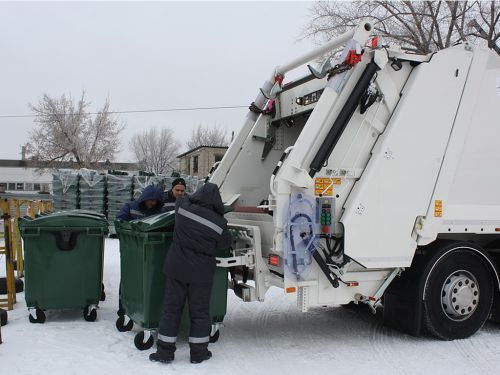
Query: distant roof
x,y
197,148
63,164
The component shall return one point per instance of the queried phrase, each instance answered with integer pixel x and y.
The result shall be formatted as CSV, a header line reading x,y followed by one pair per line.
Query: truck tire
x,y
458,294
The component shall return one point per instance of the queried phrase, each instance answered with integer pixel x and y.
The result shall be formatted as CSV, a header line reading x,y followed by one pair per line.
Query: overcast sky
x,y
143,56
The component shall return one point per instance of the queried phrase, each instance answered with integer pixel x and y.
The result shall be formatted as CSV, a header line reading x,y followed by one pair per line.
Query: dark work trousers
x,y
198,298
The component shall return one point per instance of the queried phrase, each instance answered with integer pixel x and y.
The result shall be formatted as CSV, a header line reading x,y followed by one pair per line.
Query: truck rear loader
x,y
374,179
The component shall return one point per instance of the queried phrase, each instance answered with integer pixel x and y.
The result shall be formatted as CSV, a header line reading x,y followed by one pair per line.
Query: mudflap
x,y
495,309
403,305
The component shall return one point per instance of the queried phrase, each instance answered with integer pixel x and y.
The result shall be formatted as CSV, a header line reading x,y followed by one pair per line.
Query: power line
x,y
145,111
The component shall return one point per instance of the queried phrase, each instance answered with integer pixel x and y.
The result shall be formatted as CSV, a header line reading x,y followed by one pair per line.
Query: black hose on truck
x,y
343,119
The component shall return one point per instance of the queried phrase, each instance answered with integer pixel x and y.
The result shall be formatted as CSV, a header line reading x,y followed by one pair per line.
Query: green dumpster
x,y
63,262
143,247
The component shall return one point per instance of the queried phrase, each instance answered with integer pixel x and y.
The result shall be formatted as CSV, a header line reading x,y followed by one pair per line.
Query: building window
x,y
28,186
12,186
218,157
36,187
195,164
19,186
187,166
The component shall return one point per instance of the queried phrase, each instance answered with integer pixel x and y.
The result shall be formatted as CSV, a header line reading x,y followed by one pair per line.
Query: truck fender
x,y
461,245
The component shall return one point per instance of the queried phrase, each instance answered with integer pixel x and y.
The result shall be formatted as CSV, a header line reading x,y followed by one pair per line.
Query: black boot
x,y
199,352
164,352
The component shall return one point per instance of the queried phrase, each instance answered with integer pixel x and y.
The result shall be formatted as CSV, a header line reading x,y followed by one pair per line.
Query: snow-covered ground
x,y
272,337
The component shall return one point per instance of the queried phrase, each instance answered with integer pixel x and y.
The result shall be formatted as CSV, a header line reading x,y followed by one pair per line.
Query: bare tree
x,y
66,131
207,136
487,23
419,26
155,150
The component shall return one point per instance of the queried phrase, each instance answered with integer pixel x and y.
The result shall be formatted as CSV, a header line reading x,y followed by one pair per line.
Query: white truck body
x,y
421,163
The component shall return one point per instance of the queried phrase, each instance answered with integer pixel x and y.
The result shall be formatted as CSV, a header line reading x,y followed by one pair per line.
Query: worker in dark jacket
x,y
200,229
149,203
178,190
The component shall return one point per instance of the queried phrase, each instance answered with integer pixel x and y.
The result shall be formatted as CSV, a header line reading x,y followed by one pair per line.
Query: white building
x,y
16,176
21,176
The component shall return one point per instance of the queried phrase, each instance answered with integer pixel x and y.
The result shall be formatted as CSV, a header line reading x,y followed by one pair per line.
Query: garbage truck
x,y
372,180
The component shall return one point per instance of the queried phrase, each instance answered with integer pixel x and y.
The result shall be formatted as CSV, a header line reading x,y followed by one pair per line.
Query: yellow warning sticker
x,y
438,208
324,186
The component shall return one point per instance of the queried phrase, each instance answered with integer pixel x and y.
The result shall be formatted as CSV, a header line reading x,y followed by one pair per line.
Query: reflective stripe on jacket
x,y
200,229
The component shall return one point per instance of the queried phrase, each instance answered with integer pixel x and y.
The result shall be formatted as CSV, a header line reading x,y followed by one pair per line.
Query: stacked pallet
x,y
65,189
120,189
92,190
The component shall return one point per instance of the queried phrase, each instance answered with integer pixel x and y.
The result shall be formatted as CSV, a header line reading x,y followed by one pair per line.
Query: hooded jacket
x,y
200,229
137,210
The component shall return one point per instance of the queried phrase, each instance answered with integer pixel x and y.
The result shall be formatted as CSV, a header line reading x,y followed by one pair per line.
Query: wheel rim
x,y
460,295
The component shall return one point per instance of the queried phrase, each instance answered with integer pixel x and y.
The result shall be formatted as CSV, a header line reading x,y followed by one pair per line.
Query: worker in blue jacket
x,y
200,229
149,203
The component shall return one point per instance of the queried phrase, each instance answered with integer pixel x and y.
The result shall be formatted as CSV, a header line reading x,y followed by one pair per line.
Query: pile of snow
x,y
270,337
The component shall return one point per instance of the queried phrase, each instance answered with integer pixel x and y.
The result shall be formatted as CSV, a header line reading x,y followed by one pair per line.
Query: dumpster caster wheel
x,y
90,314
3,317
40,317
215,337
121,309
103,293
121,326
141,344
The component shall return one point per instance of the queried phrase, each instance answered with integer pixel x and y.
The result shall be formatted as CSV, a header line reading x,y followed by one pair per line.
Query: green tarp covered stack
x,y
141,182
120,188
92,188
103,192
65,189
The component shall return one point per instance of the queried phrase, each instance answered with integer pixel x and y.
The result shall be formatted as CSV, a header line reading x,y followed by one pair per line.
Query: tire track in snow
x,y
383,343
389,344
478,353
381,339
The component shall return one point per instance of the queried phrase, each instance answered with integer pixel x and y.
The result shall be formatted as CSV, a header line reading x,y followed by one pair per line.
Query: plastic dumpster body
x,y
143,247
63,262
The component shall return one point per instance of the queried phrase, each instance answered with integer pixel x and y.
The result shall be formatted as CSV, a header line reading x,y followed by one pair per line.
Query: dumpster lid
x,y
163,222
65,219
97,215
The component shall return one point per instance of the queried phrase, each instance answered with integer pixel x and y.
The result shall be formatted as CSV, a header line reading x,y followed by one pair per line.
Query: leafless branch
x,y
155,150
207,136
65,131
420,26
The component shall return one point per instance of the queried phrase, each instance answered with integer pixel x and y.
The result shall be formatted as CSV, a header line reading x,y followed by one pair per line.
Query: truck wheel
x,y
139,341
458,295
121,326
